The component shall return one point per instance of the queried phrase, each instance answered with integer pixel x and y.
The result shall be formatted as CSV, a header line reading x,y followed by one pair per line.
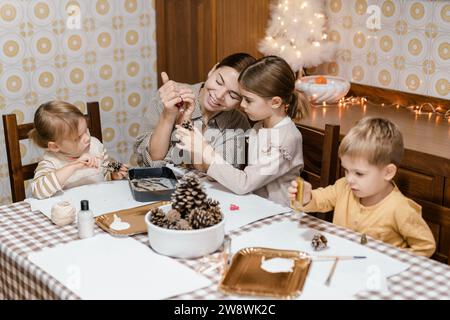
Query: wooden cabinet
x,y
420,176
447,192
185,38
241,24
193,35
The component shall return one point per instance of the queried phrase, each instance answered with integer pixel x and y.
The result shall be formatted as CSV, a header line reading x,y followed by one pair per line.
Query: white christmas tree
x,y
297,32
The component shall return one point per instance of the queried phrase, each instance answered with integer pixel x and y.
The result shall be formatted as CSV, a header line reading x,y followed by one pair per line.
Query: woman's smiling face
x,y
221,90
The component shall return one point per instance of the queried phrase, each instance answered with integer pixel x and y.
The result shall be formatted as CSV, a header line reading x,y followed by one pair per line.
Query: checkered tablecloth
x,y
23,231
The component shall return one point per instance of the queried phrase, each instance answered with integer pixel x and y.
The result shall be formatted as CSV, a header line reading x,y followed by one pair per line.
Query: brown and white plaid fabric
x,y
23,231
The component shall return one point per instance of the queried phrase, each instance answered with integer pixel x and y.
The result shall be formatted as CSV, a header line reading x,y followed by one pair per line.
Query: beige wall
x,y
410,53
112,59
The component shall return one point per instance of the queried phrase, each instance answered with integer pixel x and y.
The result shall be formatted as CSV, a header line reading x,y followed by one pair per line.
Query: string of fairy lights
x,y
312,46
423,108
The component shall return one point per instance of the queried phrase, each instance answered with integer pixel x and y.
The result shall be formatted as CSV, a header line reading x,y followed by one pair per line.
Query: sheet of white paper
x,y
103,197
350,277
105,267
251,207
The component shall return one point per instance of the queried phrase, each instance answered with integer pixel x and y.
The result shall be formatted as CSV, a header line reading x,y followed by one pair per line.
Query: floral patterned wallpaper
x,y
78,51
397,44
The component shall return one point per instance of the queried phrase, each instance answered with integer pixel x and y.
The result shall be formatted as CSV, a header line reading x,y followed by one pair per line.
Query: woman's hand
x,y
122,173
178,100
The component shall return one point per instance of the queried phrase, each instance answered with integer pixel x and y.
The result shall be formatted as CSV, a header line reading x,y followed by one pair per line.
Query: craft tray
x,y
246,277
135,217
147,196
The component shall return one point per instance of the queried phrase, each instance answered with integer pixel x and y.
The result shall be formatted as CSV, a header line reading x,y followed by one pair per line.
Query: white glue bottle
x,y
85,221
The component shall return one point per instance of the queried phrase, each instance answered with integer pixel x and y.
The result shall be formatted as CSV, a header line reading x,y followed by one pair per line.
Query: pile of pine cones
x,y
191,209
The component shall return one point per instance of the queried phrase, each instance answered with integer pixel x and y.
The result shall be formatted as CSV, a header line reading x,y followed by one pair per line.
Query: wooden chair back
x,y
438,219
19,173
320,155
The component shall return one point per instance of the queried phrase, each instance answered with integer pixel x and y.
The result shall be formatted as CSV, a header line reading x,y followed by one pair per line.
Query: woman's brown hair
x,y
272,76
53,121
238,61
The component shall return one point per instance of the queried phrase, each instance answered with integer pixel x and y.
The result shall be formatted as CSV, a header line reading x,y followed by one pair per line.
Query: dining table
x,y
23,231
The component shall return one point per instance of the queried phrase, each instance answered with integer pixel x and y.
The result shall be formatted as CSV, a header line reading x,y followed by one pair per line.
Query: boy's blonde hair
x,y
377,140
53,121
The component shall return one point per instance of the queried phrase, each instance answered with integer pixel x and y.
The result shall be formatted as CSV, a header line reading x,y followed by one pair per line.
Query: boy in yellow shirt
x,y
367,200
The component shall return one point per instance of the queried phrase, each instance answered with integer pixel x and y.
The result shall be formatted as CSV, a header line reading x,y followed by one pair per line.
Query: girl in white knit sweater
x,y
275,144
72,157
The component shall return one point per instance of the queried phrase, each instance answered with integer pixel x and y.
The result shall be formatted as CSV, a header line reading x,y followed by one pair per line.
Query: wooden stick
x,y
330,275
324,258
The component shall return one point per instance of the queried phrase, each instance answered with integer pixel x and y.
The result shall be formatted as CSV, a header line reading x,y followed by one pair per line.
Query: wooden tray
x,y
134,217
246,277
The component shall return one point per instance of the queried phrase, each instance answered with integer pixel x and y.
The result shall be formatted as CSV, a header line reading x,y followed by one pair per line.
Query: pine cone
x,y
183,225
200,218
187,125
214,210
158,218
216,214
319,242
188,195
113,166
173,216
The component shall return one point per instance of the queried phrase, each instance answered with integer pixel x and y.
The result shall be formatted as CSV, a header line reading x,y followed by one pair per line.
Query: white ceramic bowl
x,y
335,88
185,243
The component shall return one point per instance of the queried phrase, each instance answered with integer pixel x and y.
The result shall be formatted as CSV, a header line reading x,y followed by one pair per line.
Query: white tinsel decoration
x,y
297,32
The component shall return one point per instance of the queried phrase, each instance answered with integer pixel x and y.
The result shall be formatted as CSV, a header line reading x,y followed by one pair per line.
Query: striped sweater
x,y
45,184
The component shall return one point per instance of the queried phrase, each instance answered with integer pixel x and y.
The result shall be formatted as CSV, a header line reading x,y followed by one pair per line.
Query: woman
x,y
209,106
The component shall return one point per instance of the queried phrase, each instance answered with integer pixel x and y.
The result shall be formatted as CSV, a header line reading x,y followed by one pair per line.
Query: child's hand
x,y
194,142
190,140
122,173
87,160
307,188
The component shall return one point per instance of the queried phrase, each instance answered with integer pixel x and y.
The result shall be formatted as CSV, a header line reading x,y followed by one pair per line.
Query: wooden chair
x,y
438,218
19,173
320,154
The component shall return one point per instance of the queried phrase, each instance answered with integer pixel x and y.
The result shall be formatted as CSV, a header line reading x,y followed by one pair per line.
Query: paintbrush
x,y
330,275
325,258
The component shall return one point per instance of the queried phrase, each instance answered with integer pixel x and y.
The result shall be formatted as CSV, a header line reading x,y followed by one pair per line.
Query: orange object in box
x,y
320,80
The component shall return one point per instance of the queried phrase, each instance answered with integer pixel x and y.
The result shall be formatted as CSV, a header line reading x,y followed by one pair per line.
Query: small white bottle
x,y
85,221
